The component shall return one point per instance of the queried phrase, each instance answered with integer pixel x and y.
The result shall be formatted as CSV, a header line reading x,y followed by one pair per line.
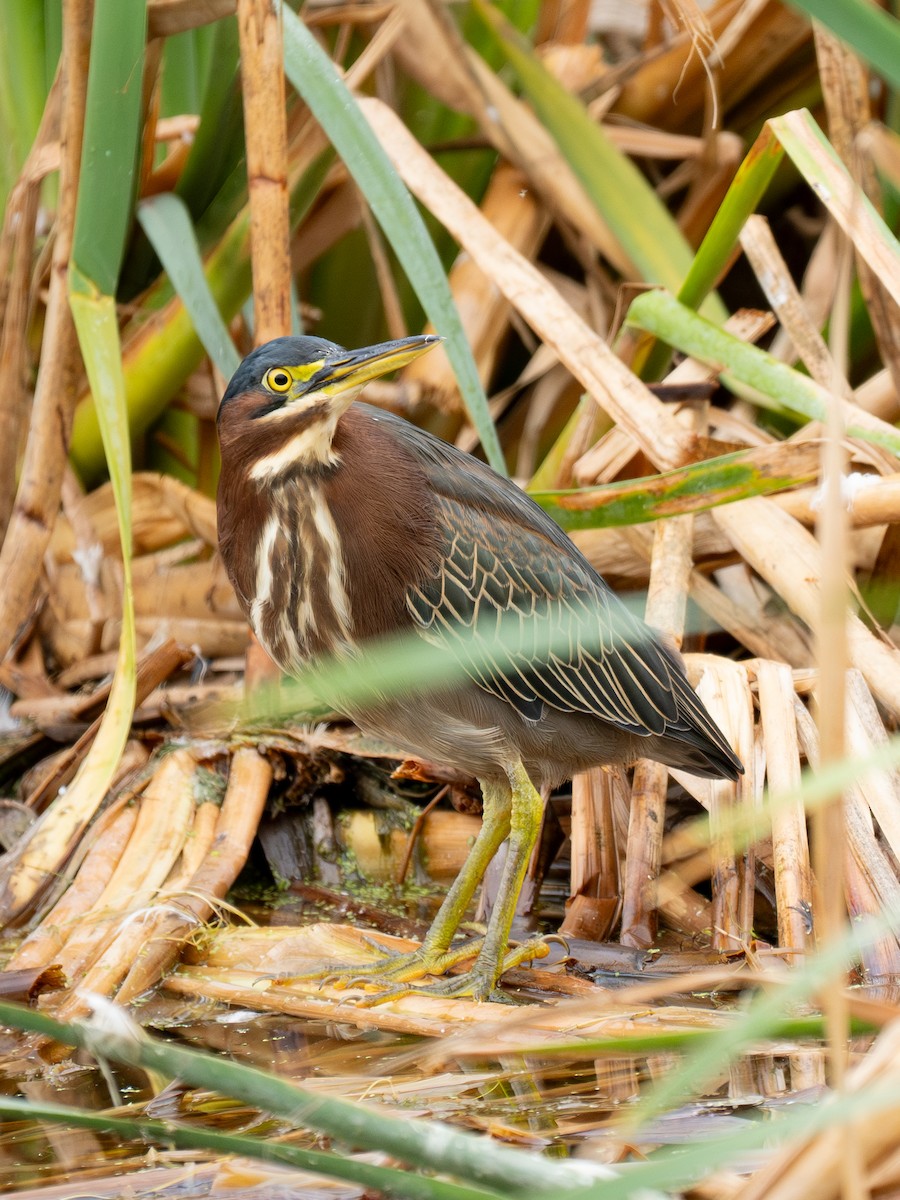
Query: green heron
x,y
340,523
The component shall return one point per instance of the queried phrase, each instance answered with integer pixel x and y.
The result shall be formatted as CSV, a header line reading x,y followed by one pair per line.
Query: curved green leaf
x,y
747,367
703,485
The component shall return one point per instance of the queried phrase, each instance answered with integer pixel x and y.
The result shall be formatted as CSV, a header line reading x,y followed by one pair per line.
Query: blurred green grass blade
x,y
181,84
637,217
23,86
742,364
316,79
429,1144
218,144
648,1041
672,1168
868,29
758,1019
389,1181
111,141
408,662
744,194
167,223
700,486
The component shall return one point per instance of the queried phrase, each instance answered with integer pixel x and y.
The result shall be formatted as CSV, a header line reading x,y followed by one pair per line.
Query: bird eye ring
x,y
277,380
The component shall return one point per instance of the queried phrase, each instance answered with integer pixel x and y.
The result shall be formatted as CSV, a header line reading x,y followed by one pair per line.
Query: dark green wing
x,y
530,619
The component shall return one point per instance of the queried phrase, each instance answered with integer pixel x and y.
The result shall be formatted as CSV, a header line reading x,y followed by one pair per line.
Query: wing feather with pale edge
x,y
508,566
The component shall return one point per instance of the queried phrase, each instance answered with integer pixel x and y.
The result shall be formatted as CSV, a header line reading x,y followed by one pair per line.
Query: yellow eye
x,y
277,379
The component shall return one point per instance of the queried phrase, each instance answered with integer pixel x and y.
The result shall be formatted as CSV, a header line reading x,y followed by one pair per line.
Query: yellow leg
x,y
525,824
435,955
495,827
493,955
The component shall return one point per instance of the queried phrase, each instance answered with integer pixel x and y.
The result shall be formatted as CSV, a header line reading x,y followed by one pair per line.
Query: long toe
x,y
390,969
480,983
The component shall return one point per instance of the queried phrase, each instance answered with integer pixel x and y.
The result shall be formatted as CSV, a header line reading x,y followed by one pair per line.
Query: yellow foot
x,y
480,983
391,968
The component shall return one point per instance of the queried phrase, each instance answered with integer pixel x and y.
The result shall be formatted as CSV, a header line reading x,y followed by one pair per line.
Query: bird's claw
x,y
480,983
397,968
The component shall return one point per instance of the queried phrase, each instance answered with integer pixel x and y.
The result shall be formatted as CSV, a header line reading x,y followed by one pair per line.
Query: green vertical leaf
x,y
111,140
167,224
314,76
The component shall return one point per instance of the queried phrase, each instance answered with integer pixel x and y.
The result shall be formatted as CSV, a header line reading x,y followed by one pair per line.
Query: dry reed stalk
x,y
610,550
262,78
215,638
190,900
775,279
604,461
817,292
813,1169
879,396
752,39
788,557
13,346
164,513
27,869
871,880
154,668
127,784
445,839
724,689
391,303
432,53
879,962
164,817
842,197
197,845
670,571
876,502
793,878
794,887
515,213
254,985
750,622
197,589
865,733
586,355
59,831
846,93
643,854
165,18
594,463
40,482
593,903
40,947
686,911
248,989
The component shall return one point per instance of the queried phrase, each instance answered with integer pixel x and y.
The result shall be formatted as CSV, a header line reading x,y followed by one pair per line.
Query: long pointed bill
x,y
359,366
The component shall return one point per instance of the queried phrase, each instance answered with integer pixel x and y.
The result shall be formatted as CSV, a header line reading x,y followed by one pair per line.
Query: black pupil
x,y
280,379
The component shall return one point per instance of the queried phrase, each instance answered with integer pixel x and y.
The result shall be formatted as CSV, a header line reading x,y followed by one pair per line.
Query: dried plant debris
x,y
691,359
